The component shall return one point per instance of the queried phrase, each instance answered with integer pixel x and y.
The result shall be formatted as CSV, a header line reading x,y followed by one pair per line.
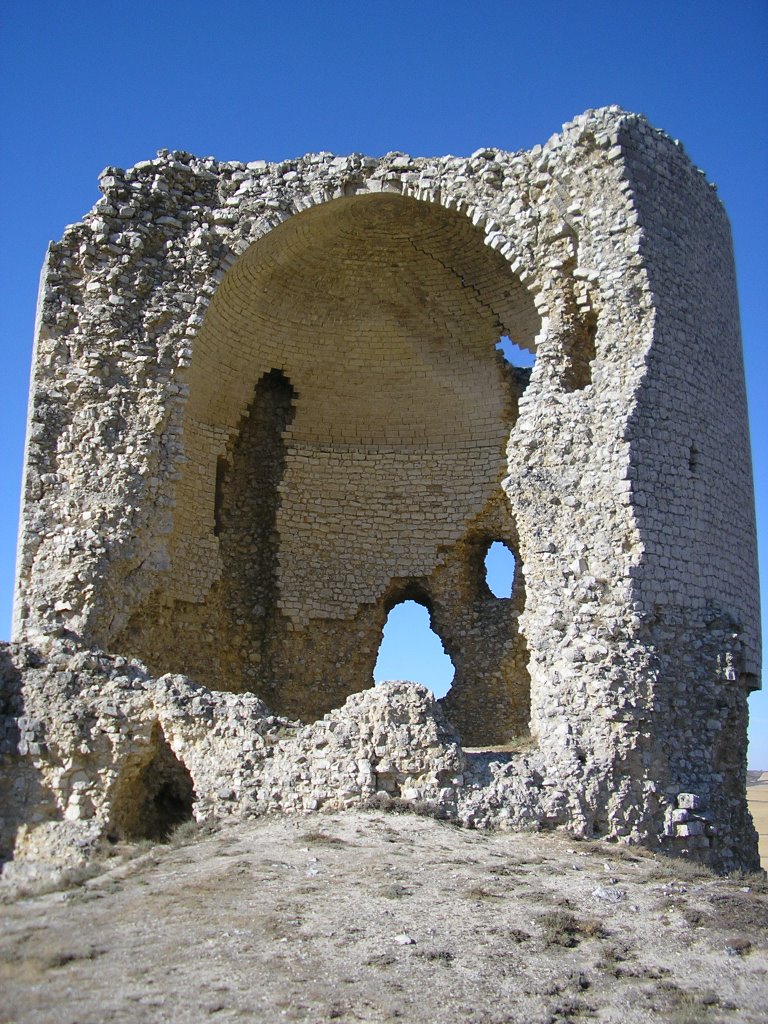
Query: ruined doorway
x,y
153,794
412,650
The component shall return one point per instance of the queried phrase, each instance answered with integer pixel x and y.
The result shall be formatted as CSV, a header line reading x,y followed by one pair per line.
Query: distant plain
x,y
757,797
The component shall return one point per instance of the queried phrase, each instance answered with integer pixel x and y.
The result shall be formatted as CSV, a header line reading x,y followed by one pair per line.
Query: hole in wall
x,y
514,354
500,566
581,354
153,794
693,460
411,650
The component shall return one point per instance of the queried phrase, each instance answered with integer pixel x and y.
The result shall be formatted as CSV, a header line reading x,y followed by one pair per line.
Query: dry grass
x,y
562,928
678,869
395,891
324,838
502,929
480,892
397,805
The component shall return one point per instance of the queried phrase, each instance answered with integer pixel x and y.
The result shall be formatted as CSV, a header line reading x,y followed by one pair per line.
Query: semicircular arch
x,y
382,311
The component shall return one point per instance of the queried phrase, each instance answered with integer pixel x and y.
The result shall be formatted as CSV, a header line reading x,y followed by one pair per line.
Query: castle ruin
x,y
268,405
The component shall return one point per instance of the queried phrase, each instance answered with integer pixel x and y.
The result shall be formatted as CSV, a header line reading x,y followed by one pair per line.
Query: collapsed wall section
x,y
105,754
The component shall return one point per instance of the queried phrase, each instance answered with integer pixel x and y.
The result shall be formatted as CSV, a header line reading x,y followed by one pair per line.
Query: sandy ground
x,y
757,797
387,917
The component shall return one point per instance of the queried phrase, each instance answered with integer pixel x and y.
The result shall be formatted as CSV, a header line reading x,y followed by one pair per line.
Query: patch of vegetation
x,y
686,1007
694,917
397,805
325,838
757,881
740,911
440,956
613,955
61,881
504,870
395,891
480,893
562,928
49,959
679,869
381,960
570,1010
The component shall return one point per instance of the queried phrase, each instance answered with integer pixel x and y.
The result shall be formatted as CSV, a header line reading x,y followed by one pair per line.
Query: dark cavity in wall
x,y
154,793
580,351
247,502
221,470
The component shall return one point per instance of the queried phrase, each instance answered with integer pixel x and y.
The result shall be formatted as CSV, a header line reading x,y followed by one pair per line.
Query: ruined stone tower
x,y
267,405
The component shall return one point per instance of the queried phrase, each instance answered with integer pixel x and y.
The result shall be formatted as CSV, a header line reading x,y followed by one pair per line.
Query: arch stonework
x,y
266,399
381,311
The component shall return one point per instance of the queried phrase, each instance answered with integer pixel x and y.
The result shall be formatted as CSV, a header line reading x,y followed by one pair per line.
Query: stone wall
x,y
266,406
101,751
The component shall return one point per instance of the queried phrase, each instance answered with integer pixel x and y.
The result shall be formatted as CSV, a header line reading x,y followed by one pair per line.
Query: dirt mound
x,y
384,917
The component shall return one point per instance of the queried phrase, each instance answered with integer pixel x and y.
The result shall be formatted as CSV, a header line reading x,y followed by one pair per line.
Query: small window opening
x,y
514,354
411,650
499,569
693,460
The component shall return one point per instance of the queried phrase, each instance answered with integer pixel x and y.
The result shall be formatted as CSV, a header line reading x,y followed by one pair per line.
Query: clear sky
x,y
86,85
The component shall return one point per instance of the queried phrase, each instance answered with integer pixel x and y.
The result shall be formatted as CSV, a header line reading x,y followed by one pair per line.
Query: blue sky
x,y
87,85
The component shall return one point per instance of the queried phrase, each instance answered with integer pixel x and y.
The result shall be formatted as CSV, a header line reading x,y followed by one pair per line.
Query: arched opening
x,y
153,794
411,650
376,435
500,566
